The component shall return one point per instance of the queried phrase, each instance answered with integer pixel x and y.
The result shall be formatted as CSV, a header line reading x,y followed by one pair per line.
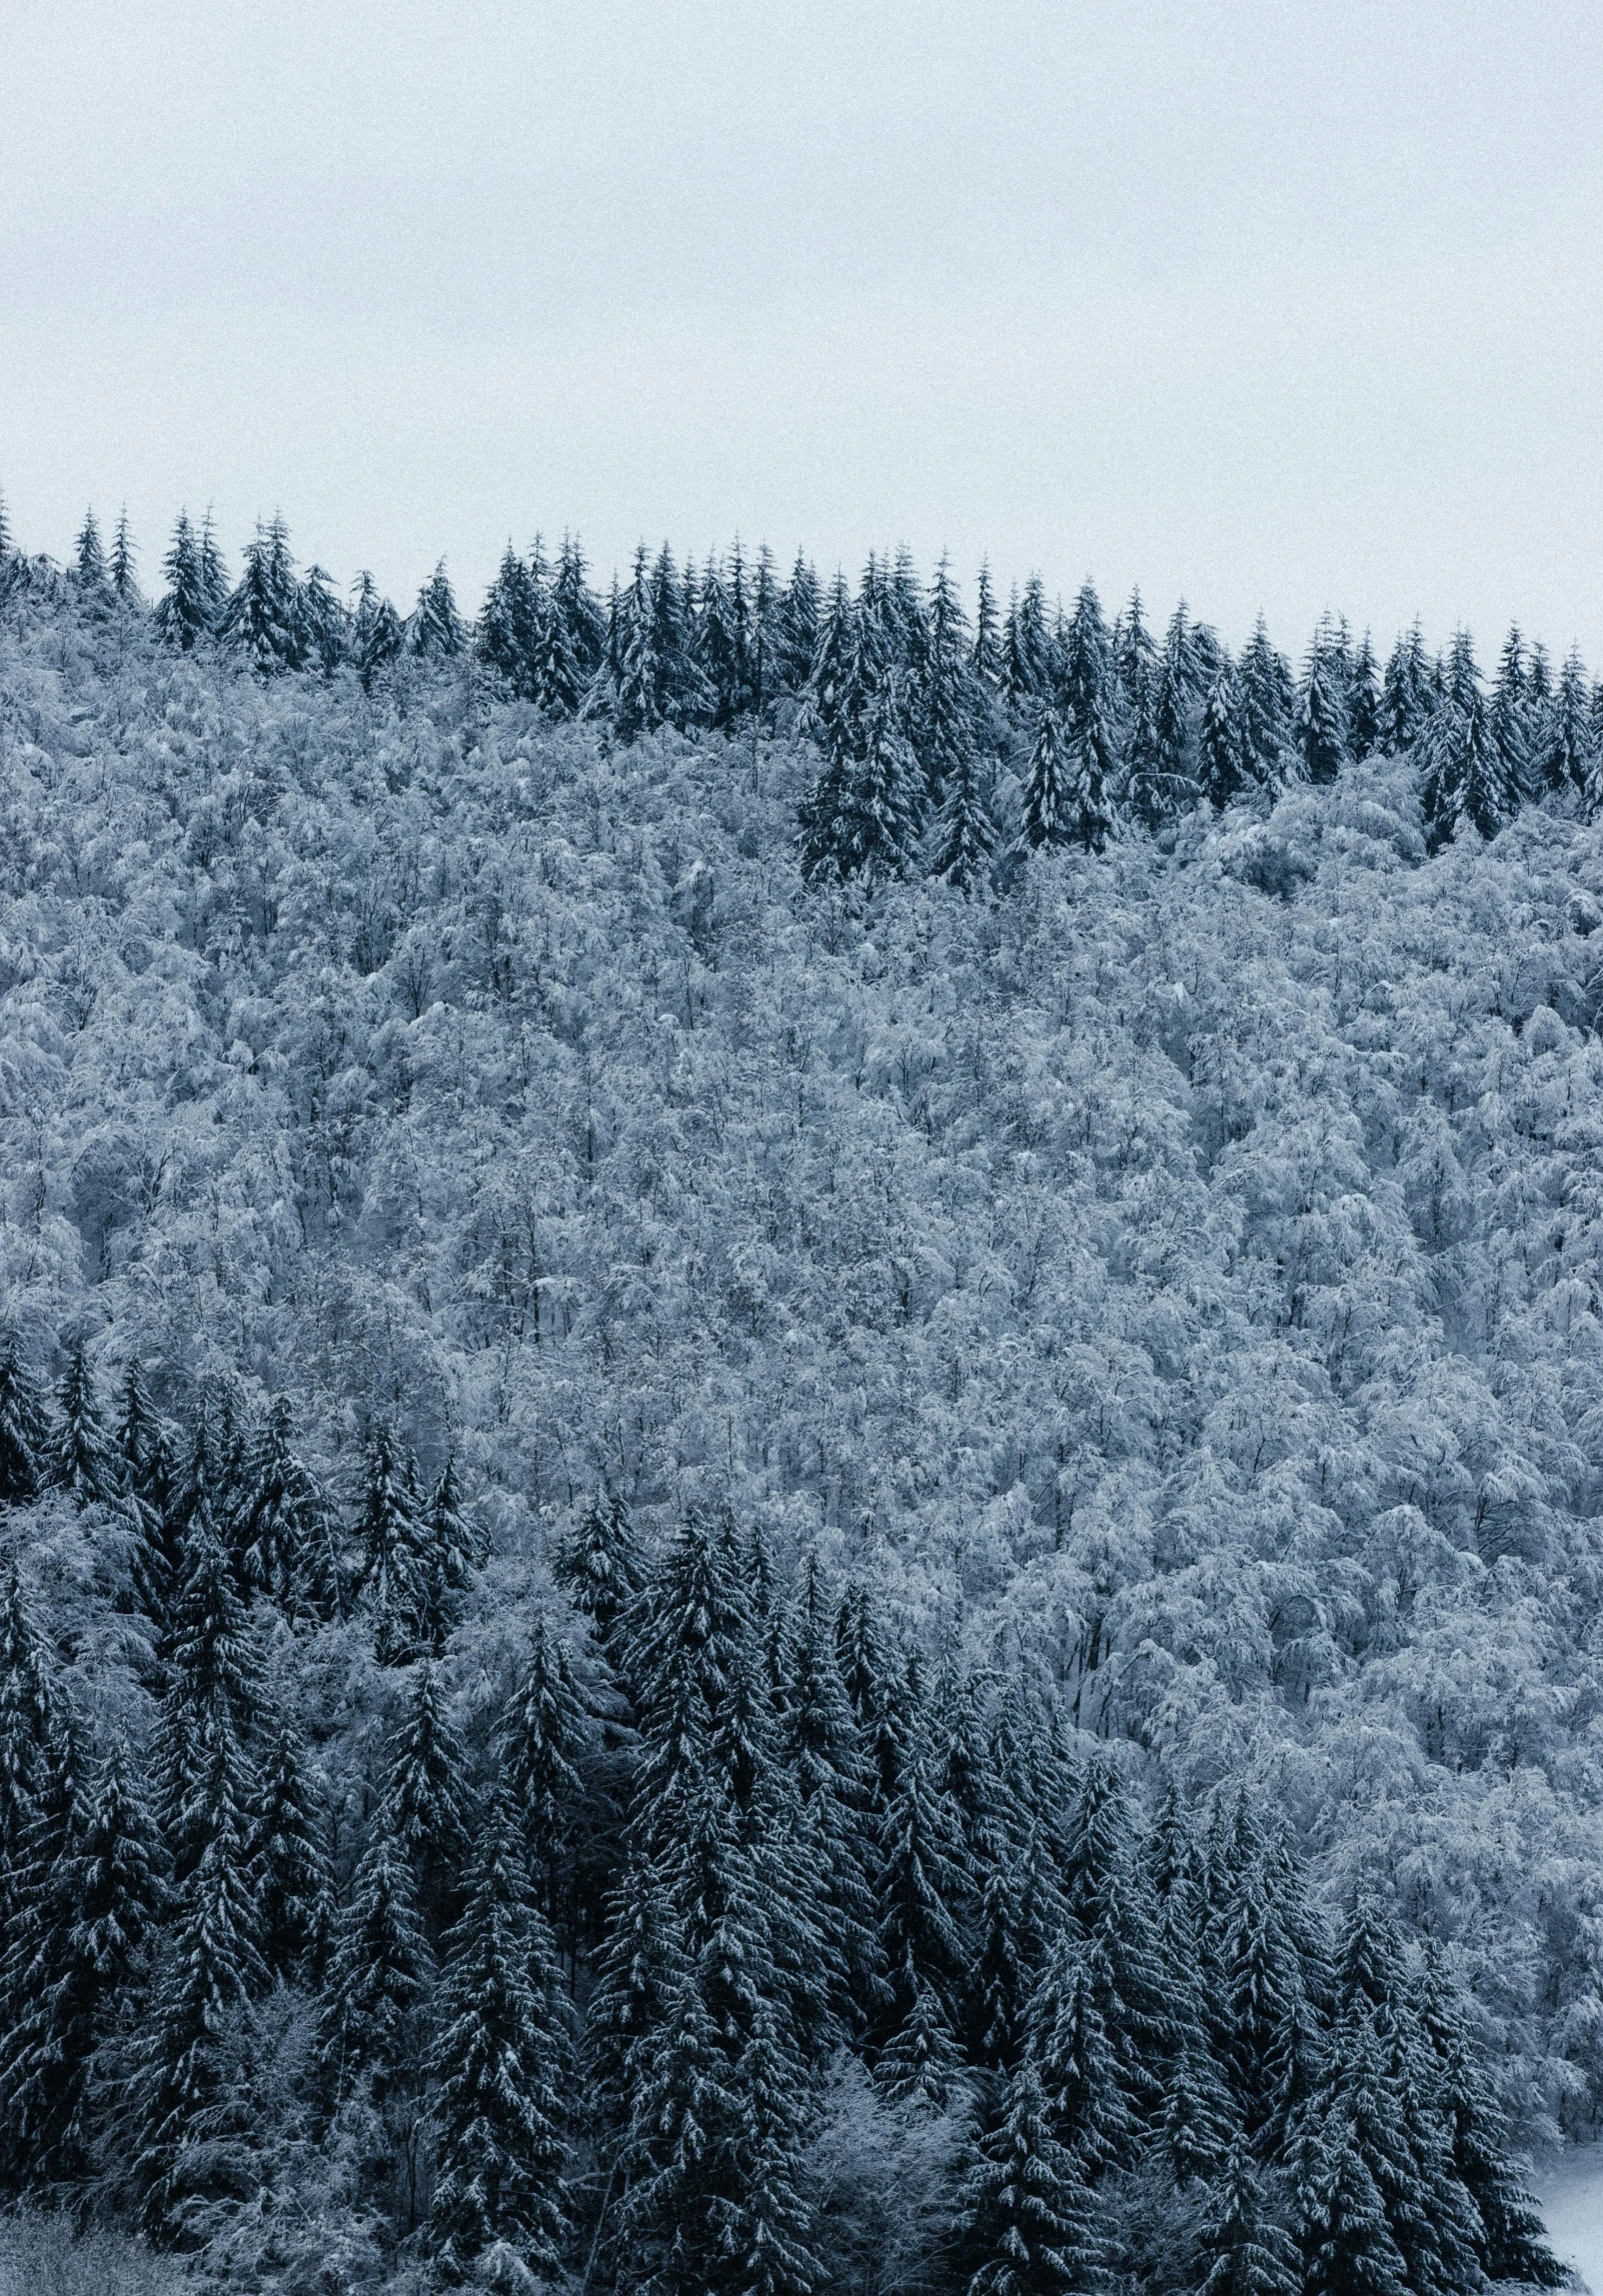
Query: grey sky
x,y
1277,305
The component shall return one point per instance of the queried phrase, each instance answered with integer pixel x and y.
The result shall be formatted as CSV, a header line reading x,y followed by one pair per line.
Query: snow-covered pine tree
x,y
184,615
1268,711
72,1953
425,1799
1465,774
24,1425
1222,761
507,634
1511,2241
122,569
1323,733
378,1972
434,626
544,1733
1407,701
1048,785
201,1745
289,1859
325,625
81,1457
984,656
500,2059
1568,755
1026,2207
1247,2250
378,634
89,564
1363,700
391,1578
209,1965
262,619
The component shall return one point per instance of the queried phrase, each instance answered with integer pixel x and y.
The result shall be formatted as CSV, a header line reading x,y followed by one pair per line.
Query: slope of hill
x,y
1174,1274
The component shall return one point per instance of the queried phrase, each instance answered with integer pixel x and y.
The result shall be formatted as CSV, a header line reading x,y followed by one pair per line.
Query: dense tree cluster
x,y
744,1559
916,712
705,1878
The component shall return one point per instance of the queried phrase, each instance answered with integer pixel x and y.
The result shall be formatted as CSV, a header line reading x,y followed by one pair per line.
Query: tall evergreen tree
x,y
1466,777
1246,2250
544,1733
289,1860
425,1801
210,1967
72,1955
378,1972
184,616
1568,755
90,562
1363,700
24,1428
122,570
393,1577
1048,785
1406,698
1026,2207
1268,707
262,618
1323,739
1222,759
434,629
500,2059
82,1458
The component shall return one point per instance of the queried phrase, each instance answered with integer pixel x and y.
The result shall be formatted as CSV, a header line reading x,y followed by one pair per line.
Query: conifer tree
x,y
581,624
1322,727
508,636
985,657
1268,703
434,629
1406,700
1363,700
1066,2036
75,1947
1135,654
600,1565
81,1457
1028,664
90,565
424,1799
122,570
452,1549
210,1967
24,1428
207,1693
393,1577
1222,763
1568,755
1511,2243
1026,2204
917,1883
289,1860
379,1971
718,648
500,2058
378,634
325,625
819,1740
213,572
184,616
801,623
262,618
1246,2251
543,1736
1166,787
1508,717
1466,780
27,1729
1048,785
284,1531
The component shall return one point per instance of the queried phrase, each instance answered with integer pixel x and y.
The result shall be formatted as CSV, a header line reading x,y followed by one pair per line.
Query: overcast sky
x,y
1277,305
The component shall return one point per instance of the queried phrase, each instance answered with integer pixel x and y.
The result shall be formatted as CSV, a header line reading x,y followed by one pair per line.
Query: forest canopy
x,y
801,1400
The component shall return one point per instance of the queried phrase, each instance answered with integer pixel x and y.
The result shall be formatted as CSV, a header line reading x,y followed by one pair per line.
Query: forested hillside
x,y
799,1432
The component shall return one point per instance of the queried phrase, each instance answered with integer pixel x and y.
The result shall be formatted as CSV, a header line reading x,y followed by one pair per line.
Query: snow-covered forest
x,y
800,1434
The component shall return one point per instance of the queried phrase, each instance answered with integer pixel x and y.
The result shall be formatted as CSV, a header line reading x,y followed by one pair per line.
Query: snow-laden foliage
x,y
1120,1295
